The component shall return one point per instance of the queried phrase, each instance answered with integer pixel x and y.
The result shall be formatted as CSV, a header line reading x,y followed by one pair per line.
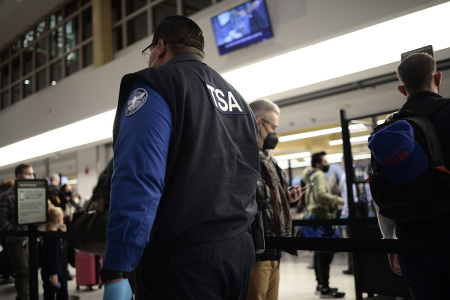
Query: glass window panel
x,y
71,34
55,19
163,10
87,55
5,100
41,52
5,55
56,43
27,87
193,6
116,11
55,72
133,5
15,94
72,63
70,8
27,61
41,80
5,76
15,68
16,46
87,23
117,39
28,39
137,28
40,29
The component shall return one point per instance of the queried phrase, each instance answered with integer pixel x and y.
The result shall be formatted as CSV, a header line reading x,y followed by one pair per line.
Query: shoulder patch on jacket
x,y
225,101
135,101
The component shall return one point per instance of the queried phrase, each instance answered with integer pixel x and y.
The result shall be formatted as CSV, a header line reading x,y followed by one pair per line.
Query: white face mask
x,y
28,176
156,57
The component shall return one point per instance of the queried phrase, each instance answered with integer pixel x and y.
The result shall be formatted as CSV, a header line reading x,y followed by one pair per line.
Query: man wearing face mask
x,y
16,245
322,204
273,197
185,169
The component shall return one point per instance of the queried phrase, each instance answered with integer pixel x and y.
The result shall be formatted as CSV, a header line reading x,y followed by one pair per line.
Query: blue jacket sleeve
x,y
140,157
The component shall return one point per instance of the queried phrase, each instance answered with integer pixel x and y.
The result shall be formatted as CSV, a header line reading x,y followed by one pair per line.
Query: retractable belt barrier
x,y
366,245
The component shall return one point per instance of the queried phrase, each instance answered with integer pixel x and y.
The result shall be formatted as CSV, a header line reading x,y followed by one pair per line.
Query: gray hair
x,y
261,107
54,177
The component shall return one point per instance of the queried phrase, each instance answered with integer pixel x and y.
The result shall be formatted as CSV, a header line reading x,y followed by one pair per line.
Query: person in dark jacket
x,y
16,245
52,272
273,197
186,165
428,274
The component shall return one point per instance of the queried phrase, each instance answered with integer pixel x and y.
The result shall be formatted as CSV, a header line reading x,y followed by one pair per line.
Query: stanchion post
x,y
348,164
33,262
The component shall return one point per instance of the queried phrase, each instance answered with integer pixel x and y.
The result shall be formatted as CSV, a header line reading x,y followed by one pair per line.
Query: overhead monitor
x,y
242,26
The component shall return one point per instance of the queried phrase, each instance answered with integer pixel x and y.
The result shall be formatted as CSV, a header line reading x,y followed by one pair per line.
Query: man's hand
x,y
118,290
393,262
54,280
294,194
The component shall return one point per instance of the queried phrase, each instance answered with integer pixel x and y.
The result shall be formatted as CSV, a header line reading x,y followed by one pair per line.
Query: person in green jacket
x,y
322,204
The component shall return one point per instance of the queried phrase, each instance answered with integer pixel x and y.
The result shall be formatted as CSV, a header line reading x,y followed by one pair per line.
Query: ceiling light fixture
x,y
354,140
80,133
310,134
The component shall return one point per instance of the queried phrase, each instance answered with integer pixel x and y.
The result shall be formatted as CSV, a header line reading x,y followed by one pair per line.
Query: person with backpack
x,y
321,204
410,182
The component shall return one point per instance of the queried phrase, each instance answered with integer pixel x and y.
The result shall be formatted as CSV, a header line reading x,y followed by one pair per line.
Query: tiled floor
x,y
297,281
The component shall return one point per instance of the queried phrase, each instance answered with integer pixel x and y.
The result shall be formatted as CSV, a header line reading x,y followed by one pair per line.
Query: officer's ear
x,y
161,48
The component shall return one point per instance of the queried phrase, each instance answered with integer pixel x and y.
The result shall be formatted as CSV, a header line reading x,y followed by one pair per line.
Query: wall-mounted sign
x,y
31,201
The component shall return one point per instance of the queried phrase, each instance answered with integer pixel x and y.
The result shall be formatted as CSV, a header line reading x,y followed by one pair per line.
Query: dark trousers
x,y
427,275
211,270
322,262
51,291
19,260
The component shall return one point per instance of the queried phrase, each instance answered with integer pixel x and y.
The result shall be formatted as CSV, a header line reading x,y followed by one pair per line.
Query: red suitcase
x,y
87,268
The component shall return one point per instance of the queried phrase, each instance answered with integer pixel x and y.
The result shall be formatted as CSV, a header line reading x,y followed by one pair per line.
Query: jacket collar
x,y
420,99
185,57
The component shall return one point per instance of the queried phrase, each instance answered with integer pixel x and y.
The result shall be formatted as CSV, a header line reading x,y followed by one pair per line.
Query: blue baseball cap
x,y
398,152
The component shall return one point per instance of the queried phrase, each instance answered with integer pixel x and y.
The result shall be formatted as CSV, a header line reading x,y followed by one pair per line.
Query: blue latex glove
x,y
119,290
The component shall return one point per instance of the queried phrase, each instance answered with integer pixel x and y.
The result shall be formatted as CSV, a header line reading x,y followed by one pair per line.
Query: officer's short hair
x,y
416,72
179,33
261,107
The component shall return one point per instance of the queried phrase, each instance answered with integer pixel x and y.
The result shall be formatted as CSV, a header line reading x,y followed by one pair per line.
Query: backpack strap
x,y
421,118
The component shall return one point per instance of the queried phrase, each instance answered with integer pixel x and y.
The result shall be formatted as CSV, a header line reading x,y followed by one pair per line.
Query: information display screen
x,y
242,26
31,201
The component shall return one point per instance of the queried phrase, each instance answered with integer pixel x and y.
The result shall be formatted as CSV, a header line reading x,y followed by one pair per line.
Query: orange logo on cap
x,y
397,157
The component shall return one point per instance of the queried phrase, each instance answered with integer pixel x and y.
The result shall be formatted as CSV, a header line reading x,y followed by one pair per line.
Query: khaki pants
x,y
19,260
265,280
